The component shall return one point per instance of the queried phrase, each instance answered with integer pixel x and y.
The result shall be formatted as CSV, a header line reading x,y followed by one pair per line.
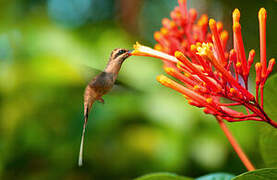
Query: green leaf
x,y
268,146
162,176
268,137
260,174
270,98
216,176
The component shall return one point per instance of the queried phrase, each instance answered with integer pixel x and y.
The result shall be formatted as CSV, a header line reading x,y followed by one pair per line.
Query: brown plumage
x,y
101,85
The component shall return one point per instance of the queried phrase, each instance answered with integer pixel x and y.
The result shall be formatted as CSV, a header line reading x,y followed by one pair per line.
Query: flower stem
x,y
270,121
235,145
262,96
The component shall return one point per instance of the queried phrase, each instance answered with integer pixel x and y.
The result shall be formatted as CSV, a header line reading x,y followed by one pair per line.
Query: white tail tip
x,y
80,161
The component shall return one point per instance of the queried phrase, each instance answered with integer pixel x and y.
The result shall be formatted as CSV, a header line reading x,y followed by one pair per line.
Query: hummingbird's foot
x,y
101,100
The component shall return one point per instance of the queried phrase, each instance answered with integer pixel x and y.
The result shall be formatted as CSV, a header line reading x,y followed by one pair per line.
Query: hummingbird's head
x,y
116,59
119,55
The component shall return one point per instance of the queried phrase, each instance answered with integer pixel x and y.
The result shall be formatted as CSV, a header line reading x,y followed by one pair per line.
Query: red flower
x,y
208,73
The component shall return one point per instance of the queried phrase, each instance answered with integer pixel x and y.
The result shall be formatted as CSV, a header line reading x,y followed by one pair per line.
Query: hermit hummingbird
x,y
101,85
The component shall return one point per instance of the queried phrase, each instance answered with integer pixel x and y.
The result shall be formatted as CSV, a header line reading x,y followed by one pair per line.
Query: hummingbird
x,y
101,85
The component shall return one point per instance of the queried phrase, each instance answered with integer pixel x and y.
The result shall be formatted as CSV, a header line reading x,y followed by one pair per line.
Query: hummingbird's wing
x,y
121,86
89,73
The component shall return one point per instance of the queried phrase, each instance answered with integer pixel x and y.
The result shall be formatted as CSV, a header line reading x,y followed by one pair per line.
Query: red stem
x,y
273,123
244,159
262,95
267,119
257,93
257,109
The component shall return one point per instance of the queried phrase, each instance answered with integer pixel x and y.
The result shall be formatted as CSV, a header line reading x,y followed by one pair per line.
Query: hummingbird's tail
x,y
80,161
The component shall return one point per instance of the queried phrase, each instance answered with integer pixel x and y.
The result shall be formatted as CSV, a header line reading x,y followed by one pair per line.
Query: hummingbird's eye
x,y
122,51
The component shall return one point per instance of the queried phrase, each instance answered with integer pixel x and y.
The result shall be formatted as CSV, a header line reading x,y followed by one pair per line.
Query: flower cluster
x,y
207,72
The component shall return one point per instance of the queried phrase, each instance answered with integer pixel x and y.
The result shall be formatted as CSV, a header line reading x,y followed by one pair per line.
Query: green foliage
x,y
171,176
270,98
268,137
216,176
162,176
268,146
260,174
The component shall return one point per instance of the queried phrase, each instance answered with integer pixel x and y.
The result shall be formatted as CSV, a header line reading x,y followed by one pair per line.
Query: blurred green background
x,y
46,48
